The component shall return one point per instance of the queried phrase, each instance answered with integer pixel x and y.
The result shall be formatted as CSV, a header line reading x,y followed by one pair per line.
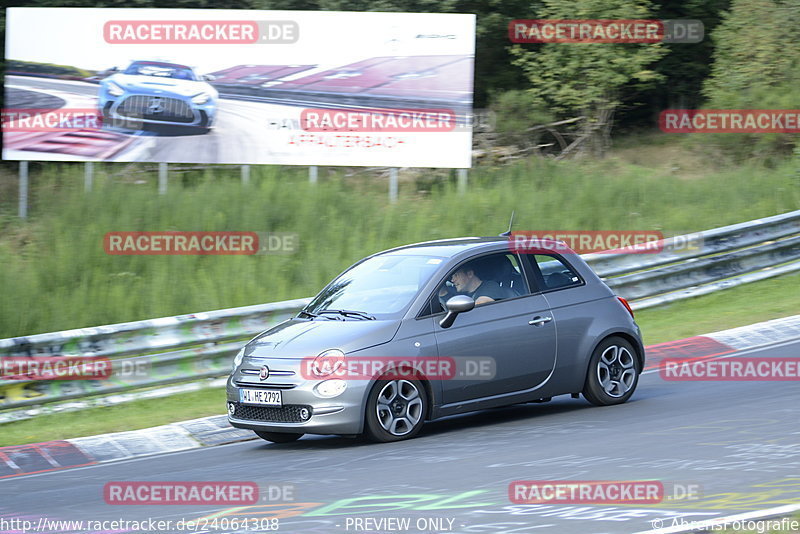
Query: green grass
x,y
772,298
55,275
128,416
739,306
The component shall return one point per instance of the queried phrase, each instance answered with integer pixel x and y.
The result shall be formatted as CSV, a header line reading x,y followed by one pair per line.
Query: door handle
x,y
539,320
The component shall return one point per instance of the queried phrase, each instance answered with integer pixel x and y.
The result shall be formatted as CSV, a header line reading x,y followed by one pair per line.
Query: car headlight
x,y
328,363
330,388
114,89
237,361
202,98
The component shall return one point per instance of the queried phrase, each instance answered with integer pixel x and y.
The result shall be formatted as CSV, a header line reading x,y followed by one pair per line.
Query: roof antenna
x,y
510,223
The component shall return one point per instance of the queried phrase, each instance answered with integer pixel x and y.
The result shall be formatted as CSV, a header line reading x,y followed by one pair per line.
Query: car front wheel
x,y
395,410
613,373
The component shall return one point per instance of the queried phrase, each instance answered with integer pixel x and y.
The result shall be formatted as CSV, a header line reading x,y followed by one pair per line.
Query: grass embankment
x,y
55,274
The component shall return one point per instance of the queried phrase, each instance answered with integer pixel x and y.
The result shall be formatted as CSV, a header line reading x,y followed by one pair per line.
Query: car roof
x,y
446,248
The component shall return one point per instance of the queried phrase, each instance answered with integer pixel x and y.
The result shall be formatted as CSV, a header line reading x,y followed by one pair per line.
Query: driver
x,y
467,282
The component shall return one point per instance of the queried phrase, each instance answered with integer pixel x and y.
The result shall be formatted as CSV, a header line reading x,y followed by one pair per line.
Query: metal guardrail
x,y
705,270
201,345
173,349
706,243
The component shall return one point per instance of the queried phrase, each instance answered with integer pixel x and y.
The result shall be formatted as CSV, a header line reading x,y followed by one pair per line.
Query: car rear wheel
x,y
613,373
395,410
278,437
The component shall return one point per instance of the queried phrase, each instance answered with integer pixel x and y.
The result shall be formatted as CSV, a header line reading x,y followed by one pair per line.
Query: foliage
x,y
756,66
588,79
517,113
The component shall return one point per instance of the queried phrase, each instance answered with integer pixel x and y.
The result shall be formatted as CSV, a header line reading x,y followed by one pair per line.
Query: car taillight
x,y
627,306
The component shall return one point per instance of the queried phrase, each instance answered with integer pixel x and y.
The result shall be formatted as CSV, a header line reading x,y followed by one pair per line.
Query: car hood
x,y
301,338
154,84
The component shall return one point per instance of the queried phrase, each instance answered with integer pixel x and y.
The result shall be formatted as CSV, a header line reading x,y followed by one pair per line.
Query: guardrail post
x,y
245,174
88,175
312,174
393,185
462,181
162,178
23,189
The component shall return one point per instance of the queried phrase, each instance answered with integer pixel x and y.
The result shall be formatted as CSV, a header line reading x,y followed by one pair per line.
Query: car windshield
x,y
161,71
381,285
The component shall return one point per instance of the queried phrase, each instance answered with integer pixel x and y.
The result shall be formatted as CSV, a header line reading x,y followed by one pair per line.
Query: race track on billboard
x,y
247,130
719,448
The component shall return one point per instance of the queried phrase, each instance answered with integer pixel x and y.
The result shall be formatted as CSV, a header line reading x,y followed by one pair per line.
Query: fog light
x,y
330,388
231,409
304,414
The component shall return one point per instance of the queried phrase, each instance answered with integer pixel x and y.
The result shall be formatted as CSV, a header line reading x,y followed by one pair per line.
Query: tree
x,y
587,79
756,66
683,68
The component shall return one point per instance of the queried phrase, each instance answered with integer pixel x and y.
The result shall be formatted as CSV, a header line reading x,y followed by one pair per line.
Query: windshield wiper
x,y
351,313
309,314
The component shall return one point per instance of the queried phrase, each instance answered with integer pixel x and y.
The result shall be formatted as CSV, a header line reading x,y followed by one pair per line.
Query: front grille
x,y
156,108
269,385
289,413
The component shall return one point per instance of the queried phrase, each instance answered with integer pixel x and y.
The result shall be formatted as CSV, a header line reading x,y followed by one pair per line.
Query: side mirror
x,y
208,77
456,305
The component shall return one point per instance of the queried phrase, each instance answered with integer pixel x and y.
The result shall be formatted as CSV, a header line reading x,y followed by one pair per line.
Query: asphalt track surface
x,y
735,444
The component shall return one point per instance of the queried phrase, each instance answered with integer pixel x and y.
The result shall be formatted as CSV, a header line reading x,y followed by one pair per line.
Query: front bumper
x,y
343,414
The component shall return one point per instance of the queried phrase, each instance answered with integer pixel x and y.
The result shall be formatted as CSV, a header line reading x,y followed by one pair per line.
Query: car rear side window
x,y
552,272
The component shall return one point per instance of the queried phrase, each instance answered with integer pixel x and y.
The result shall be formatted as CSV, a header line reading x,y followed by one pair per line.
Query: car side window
x,y
552,272
487,279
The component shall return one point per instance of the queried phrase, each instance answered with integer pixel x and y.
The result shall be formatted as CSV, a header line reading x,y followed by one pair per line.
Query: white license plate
x,y
264,397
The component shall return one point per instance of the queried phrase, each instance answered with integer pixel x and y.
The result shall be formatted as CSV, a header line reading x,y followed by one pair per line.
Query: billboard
x,y
239,87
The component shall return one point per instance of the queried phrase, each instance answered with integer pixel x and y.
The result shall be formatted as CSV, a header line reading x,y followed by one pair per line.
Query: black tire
x,y
411,407
613,373
277,437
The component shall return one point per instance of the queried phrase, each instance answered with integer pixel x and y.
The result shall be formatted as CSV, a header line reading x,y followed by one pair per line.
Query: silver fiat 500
x,y
433,329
